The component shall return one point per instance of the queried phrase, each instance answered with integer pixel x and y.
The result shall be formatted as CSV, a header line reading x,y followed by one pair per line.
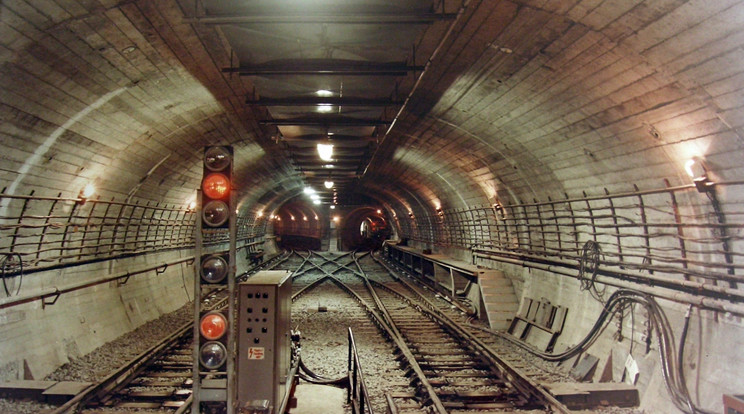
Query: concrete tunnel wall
x,y
38,338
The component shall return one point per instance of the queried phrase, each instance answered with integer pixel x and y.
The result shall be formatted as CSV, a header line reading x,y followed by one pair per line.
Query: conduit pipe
x,y
56,292
680,297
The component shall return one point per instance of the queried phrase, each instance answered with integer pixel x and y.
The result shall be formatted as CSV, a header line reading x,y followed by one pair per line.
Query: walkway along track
x,y
159,378
450,368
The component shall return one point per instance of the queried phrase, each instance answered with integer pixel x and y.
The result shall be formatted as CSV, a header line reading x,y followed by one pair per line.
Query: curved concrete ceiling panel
x,y
459,104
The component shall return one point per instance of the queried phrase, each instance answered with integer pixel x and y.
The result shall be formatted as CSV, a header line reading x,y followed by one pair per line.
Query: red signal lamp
x,y
213,325
216,186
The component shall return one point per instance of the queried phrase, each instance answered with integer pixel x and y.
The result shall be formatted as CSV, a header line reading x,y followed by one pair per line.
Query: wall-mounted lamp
x,y
86,193
698,171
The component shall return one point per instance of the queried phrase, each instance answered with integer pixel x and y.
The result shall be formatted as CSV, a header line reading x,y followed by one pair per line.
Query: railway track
x,y
447,365
449,368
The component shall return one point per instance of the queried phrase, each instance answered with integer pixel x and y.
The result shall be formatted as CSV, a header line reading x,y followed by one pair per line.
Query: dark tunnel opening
x,y
364,228
298,226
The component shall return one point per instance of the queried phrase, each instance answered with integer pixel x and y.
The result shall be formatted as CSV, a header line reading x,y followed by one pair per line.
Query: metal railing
x,y
356,393
40,233
676,231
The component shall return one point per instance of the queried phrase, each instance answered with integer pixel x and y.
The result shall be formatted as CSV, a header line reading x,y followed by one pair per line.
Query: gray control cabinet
x,y
263,348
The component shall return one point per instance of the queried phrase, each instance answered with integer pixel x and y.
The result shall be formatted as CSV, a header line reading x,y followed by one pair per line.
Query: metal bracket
x,y
123,282
161,269
45,303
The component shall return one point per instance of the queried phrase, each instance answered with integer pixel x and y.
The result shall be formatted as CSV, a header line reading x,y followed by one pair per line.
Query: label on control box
x,y
256,353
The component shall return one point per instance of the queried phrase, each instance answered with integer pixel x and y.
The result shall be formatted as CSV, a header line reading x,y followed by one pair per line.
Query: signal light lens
x,y
213,325
216,185
214,269
215,213
212,355
216,158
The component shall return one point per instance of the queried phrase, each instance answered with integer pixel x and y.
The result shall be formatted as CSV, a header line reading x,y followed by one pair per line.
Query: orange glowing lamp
x,y
213,325
216,186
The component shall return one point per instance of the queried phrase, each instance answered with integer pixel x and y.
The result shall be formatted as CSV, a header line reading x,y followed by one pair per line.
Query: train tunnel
x,y
579,147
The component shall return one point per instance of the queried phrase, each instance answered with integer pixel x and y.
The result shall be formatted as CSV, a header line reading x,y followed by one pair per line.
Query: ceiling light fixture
x,y
323,92
88,191
328,184
325,151
309,190
325,108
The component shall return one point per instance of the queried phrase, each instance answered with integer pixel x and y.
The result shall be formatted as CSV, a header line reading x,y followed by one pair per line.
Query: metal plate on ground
x,y
63,391
25,388
581,396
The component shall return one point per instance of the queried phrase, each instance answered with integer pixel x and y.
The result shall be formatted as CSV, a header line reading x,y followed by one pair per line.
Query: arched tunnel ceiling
x,y
519,100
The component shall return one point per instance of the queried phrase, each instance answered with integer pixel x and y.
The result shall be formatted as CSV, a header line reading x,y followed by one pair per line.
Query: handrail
x,y
55,292
356,394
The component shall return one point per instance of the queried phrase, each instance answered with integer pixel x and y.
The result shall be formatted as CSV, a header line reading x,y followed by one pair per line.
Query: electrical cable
x,y
671,365
7,264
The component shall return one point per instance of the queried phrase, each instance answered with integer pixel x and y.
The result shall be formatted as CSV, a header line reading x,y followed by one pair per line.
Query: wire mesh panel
x,y
677,231
42,232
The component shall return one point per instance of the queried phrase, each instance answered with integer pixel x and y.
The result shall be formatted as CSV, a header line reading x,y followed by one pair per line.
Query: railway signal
x,y
214,355
213,336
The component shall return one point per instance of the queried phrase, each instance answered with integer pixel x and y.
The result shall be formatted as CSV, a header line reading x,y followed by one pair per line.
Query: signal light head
x,y
214,269
213,325
216,213
212,355
217,158
216,185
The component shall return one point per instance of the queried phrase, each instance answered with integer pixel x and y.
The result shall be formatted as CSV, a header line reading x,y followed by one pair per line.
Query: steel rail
x,y
385,321
124,374
515,376
397,337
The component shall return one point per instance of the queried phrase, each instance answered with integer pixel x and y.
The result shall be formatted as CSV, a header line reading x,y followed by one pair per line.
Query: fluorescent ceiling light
x,y
325,151
323,92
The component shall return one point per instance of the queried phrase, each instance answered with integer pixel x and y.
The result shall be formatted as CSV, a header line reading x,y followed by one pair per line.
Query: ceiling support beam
x,y
322,121
314,101
263,17
313,67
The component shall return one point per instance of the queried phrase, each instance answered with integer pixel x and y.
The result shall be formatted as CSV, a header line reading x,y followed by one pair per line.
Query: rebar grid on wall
x,y
672,231
48,232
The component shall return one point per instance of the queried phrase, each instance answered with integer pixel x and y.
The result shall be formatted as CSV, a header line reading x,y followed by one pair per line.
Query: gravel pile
x,y
96,365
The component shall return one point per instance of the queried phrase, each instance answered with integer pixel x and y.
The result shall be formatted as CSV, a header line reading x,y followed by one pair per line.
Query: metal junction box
x,y
264,345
